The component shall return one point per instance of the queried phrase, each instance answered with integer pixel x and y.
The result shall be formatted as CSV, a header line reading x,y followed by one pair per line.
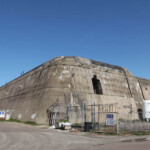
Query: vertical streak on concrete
x,y
141,89
128,82
73,83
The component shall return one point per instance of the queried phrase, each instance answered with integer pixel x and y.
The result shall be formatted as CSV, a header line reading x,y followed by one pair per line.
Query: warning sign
x,y
109,119
2,114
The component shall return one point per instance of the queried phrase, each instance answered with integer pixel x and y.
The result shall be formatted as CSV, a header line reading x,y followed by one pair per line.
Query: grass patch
x,y
108,133
77,124
31,123
18,121
141,133
137,133
123,132
12,120
62,120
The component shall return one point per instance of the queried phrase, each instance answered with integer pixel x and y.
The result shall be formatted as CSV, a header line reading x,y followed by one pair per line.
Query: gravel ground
x,y
18,136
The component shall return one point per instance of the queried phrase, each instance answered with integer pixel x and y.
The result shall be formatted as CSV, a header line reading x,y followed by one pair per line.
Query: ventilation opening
x,y
140,114
97,85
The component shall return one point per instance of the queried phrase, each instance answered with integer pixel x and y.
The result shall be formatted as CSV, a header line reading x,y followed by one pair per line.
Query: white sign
x,y
109,119
2,114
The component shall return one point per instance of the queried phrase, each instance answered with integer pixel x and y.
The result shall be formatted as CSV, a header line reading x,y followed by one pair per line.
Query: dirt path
x,y
18,136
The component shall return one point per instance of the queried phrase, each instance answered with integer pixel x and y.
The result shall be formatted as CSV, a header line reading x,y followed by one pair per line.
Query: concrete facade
x,y
70,80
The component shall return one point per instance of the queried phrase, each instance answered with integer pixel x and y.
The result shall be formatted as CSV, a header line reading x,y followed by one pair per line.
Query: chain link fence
x,y
105,118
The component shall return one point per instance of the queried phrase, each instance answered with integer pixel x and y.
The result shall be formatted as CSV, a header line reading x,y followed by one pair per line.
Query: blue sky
x,y
112,31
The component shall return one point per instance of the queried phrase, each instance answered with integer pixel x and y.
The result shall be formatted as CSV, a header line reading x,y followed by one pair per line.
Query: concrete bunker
x,y
71,80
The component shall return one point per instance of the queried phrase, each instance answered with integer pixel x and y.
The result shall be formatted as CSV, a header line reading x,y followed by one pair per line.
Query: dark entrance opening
x,y
140,114
97,85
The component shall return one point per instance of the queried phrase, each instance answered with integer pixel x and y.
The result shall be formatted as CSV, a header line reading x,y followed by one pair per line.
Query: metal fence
x,y
129,123
106,118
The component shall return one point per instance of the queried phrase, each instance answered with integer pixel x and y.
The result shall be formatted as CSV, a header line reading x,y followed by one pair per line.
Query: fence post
x,y
93,116
99,117
84,103
68,112
83,113
117,124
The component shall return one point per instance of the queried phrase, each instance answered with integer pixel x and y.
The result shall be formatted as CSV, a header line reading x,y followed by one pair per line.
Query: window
x,y
97,85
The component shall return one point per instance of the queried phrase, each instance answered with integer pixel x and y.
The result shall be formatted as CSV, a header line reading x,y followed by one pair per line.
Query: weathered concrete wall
x,y
69,80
